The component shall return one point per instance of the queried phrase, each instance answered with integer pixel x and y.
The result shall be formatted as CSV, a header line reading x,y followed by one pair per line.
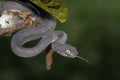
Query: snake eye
x,y
45,1
69,52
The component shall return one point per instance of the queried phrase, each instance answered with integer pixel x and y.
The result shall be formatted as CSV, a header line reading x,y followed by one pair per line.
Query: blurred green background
x,y
94,28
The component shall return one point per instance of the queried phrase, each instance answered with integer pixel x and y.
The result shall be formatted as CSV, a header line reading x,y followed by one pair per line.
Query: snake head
x,y
65,50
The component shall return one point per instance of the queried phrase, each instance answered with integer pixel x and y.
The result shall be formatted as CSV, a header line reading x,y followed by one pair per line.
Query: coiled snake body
x,y
42,28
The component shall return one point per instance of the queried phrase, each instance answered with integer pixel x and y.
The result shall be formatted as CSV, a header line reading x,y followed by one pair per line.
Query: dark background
x,y
93,27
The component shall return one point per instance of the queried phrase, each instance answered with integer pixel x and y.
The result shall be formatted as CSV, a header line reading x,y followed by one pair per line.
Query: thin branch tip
x,y
82,59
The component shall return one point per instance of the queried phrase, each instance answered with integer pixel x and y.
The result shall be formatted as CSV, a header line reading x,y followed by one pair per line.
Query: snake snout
x,y
65,50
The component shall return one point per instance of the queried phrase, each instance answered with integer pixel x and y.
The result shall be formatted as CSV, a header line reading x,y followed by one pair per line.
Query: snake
x,y
42,28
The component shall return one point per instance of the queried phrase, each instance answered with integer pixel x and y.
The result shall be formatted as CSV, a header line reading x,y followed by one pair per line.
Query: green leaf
x,y
56,8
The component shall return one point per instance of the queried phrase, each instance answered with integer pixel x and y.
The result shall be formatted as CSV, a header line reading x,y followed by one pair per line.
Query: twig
x,y
49,57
